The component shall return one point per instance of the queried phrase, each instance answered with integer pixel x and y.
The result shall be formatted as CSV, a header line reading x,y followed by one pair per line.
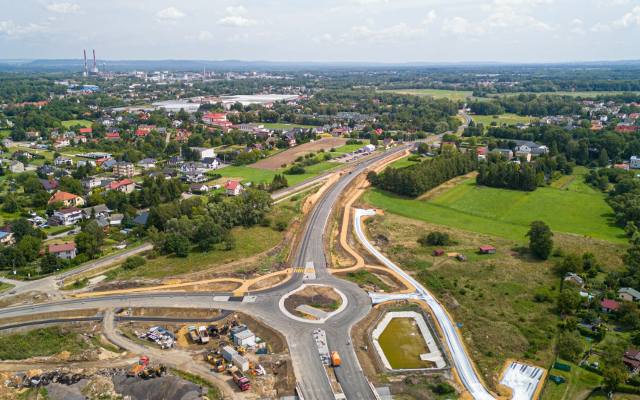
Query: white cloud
x,y
324,38
11,29
629,19
169,14
63,8
600,28
461,26
235,17
236,21
430,17
392,33
236,10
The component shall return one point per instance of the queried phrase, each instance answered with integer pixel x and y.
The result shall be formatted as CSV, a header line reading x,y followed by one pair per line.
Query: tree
x,y
50,263
177,244
603,158
570,346
568,301
435,238
613,377
570,263
133,262
540,239
90,239
29,246
10,204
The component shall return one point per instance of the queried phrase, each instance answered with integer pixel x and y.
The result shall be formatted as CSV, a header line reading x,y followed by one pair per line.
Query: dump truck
x,y
204,335
335,359
193,334
138,367
242,381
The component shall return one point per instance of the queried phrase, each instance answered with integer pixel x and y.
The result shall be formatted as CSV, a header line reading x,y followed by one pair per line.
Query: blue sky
x,y
324,30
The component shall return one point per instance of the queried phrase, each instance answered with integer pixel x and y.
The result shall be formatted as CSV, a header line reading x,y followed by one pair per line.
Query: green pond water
x,y
402,344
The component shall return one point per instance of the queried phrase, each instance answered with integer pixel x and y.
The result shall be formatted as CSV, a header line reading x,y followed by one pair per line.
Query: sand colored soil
x,y
290,155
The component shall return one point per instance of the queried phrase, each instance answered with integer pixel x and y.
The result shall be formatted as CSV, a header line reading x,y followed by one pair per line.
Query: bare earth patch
x,y
320,297
290,155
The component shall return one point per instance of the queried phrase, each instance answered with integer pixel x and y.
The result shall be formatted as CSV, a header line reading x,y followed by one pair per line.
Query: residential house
x,y
124,168
112,136
141,218
63,250
50,185
66,199
290,138
204,152
89,131
526,146
66,216
147,163
101,210
626,128
109,164
125,185
574,278
210,162
233,188
198,188
91,183
116,219
6,238
506,153
487,249
46,170
631,358
628,294
16,167
194,177
608,305
62,161
634,162
214,118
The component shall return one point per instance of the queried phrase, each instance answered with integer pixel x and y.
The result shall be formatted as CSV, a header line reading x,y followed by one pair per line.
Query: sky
x,y
391,31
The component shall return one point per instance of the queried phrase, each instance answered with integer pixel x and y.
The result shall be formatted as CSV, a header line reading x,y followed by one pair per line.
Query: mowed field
x,y
435,93
73,122
576,209
289,156
568,93
502,119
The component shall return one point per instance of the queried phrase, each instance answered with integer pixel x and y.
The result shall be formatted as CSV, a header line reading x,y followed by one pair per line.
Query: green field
x,y
73,122
40,342
568,93
4,133
435,93
257,175
403,162
502,119
579,383
282,125
508,213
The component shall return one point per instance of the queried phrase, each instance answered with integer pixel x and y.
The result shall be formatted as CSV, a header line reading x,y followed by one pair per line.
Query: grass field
x,y
403,162
5,286
435,93
572,94
579,383
508,213
258,175
40,342
502,119
4,133
492,296
73,122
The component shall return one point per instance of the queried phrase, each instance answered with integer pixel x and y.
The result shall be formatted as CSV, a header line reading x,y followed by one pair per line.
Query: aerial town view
x,y
337,199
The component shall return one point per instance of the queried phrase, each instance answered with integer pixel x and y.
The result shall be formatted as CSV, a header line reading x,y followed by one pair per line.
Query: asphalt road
x,y
308,368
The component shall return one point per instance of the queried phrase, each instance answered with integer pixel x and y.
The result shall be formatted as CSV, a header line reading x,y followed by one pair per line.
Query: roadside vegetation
x,y
41,342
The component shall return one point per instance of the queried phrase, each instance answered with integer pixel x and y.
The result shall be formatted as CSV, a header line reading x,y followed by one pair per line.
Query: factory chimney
x,y
85,71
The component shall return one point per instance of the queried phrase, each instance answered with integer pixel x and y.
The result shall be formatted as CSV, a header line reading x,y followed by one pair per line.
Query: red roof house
x,y
233,188
487,250
86,130
112,136
608,305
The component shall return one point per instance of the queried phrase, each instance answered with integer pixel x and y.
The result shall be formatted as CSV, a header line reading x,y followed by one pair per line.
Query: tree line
x,y
414,180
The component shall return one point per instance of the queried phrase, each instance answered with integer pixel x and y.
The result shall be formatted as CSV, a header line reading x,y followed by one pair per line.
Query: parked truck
x,y
242,381
335,359
193,334
204,335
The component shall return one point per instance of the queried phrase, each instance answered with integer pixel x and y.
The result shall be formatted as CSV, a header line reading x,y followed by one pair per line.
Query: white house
x,y
204,152
634,162
63,250
233,188
68,216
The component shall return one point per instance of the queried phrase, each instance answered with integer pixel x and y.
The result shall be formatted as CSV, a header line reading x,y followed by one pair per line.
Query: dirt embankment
x,y
320,297
290,155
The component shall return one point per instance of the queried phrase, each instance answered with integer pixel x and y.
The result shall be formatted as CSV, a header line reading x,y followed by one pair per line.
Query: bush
x,y
442,388
295,170
281,226
435,238
133,262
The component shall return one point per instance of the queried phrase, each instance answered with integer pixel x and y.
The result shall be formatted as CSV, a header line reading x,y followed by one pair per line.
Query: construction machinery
x,y
217,362
242,381
138,367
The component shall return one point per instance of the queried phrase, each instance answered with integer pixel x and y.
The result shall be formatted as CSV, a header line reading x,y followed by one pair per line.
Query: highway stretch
x,y
461,360
264,306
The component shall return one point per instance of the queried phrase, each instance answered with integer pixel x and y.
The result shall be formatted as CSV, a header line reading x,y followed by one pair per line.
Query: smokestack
x,y
85,72
94,59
